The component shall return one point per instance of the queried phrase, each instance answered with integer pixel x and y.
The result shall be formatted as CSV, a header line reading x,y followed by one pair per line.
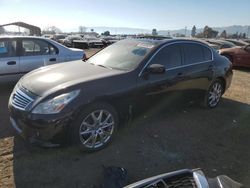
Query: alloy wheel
x,y
96,129
214,94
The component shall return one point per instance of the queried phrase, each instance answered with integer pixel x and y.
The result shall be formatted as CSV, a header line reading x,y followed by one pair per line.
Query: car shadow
x,y
176,133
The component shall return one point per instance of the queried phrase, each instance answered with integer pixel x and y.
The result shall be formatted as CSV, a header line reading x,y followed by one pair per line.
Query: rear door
x,y
36,53
198,66
9,60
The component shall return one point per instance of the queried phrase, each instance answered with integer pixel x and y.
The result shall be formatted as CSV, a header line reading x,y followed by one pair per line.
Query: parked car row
x,y
82,41
85,102
237,51
239,56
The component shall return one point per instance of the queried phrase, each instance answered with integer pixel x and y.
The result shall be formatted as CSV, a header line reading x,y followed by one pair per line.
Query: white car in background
x,y
20,55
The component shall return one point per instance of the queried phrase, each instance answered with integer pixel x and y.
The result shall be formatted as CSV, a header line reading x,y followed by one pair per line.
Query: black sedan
x,y
85,101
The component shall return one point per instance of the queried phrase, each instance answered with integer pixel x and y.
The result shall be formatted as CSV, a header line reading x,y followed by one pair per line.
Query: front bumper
x,y
44,130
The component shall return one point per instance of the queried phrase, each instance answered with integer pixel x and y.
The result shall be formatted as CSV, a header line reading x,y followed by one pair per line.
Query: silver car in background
x,y
20,55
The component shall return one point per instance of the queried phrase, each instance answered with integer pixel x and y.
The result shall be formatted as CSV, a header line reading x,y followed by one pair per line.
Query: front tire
x,y
213,94
95,127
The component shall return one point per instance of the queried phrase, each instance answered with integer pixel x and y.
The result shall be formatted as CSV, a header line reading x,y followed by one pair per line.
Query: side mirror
x,y
156,69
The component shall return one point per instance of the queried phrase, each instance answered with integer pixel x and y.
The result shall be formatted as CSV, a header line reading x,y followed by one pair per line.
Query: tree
x,y
82,29
240,36
92,30
199,35
106,33
51,30
223,34
234,36
208,32
193,33
154,32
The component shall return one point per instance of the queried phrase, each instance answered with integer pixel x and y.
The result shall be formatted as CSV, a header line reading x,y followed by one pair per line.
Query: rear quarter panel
x,y
223,69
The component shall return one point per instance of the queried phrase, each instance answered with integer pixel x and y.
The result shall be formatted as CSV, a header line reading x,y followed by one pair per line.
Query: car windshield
x,y
123,55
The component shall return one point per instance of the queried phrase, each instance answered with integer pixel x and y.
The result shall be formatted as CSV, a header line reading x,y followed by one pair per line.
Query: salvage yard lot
x,y
177,133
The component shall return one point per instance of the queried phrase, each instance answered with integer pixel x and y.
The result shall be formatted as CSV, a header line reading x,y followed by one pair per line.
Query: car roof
x,y
166,41
161,42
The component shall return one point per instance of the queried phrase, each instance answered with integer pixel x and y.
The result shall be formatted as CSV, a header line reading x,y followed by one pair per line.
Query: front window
x,y
7,48
123,55
169,56
33,47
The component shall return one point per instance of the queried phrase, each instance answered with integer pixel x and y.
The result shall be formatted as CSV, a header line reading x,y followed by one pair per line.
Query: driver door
x,y
153,84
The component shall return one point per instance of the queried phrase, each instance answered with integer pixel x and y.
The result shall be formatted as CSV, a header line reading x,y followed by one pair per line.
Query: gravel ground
x,y
177,133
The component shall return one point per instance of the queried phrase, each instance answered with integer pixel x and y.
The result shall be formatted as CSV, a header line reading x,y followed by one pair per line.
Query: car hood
x,y
230,50
46,80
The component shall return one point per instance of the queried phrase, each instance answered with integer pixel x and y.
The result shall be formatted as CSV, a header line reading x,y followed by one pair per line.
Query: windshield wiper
x,y
103,66
100,65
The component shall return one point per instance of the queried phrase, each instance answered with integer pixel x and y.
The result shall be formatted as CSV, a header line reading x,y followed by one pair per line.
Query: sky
x,y
145,14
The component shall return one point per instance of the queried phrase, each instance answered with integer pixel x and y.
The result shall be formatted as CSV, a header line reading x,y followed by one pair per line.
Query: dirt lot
x,y
176,134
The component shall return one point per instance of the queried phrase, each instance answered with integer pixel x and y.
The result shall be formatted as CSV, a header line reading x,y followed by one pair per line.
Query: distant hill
x,y
126,30
230,30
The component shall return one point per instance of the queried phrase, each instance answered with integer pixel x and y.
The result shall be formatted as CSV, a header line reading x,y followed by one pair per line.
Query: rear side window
x,y
8,48
170,56
207,54
33,47
196,53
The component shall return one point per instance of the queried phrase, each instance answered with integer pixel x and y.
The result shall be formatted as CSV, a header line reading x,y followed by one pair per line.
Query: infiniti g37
x,y
85,101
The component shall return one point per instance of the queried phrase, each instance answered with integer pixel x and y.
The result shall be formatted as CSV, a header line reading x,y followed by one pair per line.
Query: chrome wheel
x,y
96,129
214,94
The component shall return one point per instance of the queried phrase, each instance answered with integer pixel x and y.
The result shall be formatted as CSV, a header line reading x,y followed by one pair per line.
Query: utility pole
x,y
248,32
18,29
185,31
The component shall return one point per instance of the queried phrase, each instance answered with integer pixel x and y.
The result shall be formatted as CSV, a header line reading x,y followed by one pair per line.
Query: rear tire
x,y
213,94
95,127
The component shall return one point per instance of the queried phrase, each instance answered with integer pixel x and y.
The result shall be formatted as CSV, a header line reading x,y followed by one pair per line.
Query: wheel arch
x,y
223,80
121,109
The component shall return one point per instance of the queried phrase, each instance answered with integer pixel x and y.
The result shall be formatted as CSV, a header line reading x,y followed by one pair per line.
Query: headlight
x,y
56,104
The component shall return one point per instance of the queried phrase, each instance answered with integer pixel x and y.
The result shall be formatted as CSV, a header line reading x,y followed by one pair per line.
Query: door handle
x,y
11,63
52,59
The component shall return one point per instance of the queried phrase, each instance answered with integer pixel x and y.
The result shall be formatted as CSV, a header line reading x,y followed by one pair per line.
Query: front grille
x,y
181,181
20,100
187,182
